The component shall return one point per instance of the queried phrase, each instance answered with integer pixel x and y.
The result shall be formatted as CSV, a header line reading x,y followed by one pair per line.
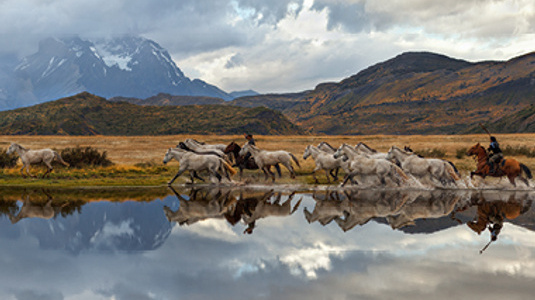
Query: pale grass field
x,y
128,151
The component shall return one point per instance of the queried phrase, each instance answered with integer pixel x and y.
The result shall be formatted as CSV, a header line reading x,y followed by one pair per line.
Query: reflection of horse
x,y
29,157
264,158
202,204
507,167
245,161
431,168
362,165
34,209
424,205
190,161
366,204
324,161
264,209
327,208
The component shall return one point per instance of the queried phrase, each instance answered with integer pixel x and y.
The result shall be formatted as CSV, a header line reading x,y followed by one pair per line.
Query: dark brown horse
x,y
244,161
507,167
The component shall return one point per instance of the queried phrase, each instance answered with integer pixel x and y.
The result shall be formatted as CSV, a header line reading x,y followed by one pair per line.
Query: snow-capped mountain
x,y
127,66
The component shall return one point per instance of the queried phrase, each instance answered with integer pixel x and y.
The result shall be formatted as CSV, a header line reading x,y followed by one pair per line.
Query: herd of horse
x,y
360,163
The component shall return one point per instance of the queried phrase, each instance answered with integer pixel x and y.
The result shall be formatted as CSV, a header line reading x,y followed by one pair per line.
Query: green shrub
x,y
81,157
7,160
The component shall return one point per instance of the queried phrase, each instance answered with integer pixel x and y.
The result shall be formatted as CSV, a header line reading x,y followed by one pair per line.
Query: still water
x,y
244,243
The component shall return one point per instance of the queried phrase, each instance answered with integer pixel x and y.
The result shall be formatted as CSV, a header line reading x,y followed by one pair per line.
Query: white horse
x,y
424,168
29,157
324,161
192,162
264,159
362,165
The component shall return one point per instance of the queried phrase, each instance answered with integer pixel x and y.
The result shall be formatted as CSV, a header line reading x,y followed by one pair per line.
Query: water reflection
x,y
230,204
335,244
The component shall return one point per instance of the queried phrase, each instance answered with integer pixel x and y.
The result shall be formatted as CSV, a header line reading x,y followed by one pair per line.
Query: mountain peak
x,y
128,66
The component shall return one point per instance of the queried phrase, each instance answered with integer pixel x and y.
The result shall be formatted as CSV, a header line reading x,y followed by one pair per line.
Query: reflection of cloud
x,y
217,229
308,260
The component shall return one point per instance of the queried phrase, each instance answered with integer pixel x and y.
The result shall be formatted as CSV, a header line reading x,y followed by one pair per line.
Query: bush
x,y
519,151
7,161
461,152
80,157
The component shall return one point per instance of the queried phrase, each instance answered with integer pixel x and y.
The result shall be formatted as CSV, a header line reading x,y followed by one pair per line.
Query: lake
x,y
256,243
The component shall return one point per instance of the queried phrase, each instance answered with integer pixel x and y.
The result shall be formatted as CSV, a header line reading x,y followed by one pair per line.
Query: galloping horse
x,y
190,161
507,167
264,159
324,161
362,165
430,168
29,157
244,161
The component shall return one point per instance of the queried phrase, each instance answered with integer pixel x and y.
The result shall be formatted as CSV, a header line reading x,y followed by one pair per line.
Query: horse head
x,y
232,148
307,152
244,150
12,148
168,156
477,149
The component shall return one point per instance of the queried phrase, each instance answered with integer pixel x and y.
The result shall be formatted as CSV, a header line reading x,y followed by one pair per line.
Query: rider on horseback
x,y
495,155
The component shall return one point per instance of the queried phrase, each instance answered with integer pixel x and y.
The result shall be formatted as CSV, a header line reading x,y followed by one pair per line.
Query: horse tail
x,y
229,167
58,157
400,172
452,170
295,159
526,170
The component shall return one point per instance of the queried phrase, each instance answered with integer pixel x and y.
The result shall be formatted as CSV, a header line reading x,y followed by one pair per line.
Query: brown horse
x,y
507,167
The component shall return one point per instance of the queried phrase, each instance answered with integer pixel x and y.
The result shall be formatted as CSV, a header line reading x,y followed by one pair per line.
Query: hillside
x,y
163,99
87,114
413,93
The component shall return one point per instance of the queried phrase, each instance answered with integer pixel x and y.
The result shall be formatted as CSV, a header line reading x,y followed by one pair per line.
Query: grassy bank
x,y
138,160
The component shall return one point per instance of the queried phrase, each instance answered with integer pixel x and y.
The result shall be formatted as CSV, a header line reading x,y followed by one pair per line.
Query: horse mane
x,y
366,146
327,144
200,143
20,146
183,146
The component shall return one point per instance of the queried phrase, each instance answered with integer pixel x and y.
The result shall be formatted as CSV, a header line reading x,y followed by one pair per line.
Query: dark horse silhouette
x,y
244,161
507,167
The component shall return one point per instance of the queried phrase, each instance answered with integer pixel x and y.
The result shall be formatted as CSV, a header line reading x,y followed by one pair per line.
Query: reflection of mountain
x,y
100,226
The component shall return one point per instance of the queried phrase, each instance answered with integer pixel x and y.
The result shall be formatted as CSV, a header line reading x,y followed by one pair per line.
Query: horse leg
x,y
291,169
270,173
197,176
49,170
28,171
327,175
512,179
335,175
180,171
22,171
278,168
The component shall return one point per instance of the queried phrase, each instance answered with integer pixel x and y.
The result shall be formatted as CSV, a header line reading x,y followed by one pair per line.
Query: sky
x,y
280,45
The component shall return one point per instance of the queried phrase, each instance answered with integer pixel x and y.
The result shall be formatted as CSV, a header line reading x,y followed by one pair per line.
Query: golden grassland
x,y
138,160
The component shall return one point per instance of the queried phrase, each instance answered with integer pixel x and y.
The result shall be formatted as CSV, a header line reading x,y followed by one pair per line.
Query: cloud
x,y
280,45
